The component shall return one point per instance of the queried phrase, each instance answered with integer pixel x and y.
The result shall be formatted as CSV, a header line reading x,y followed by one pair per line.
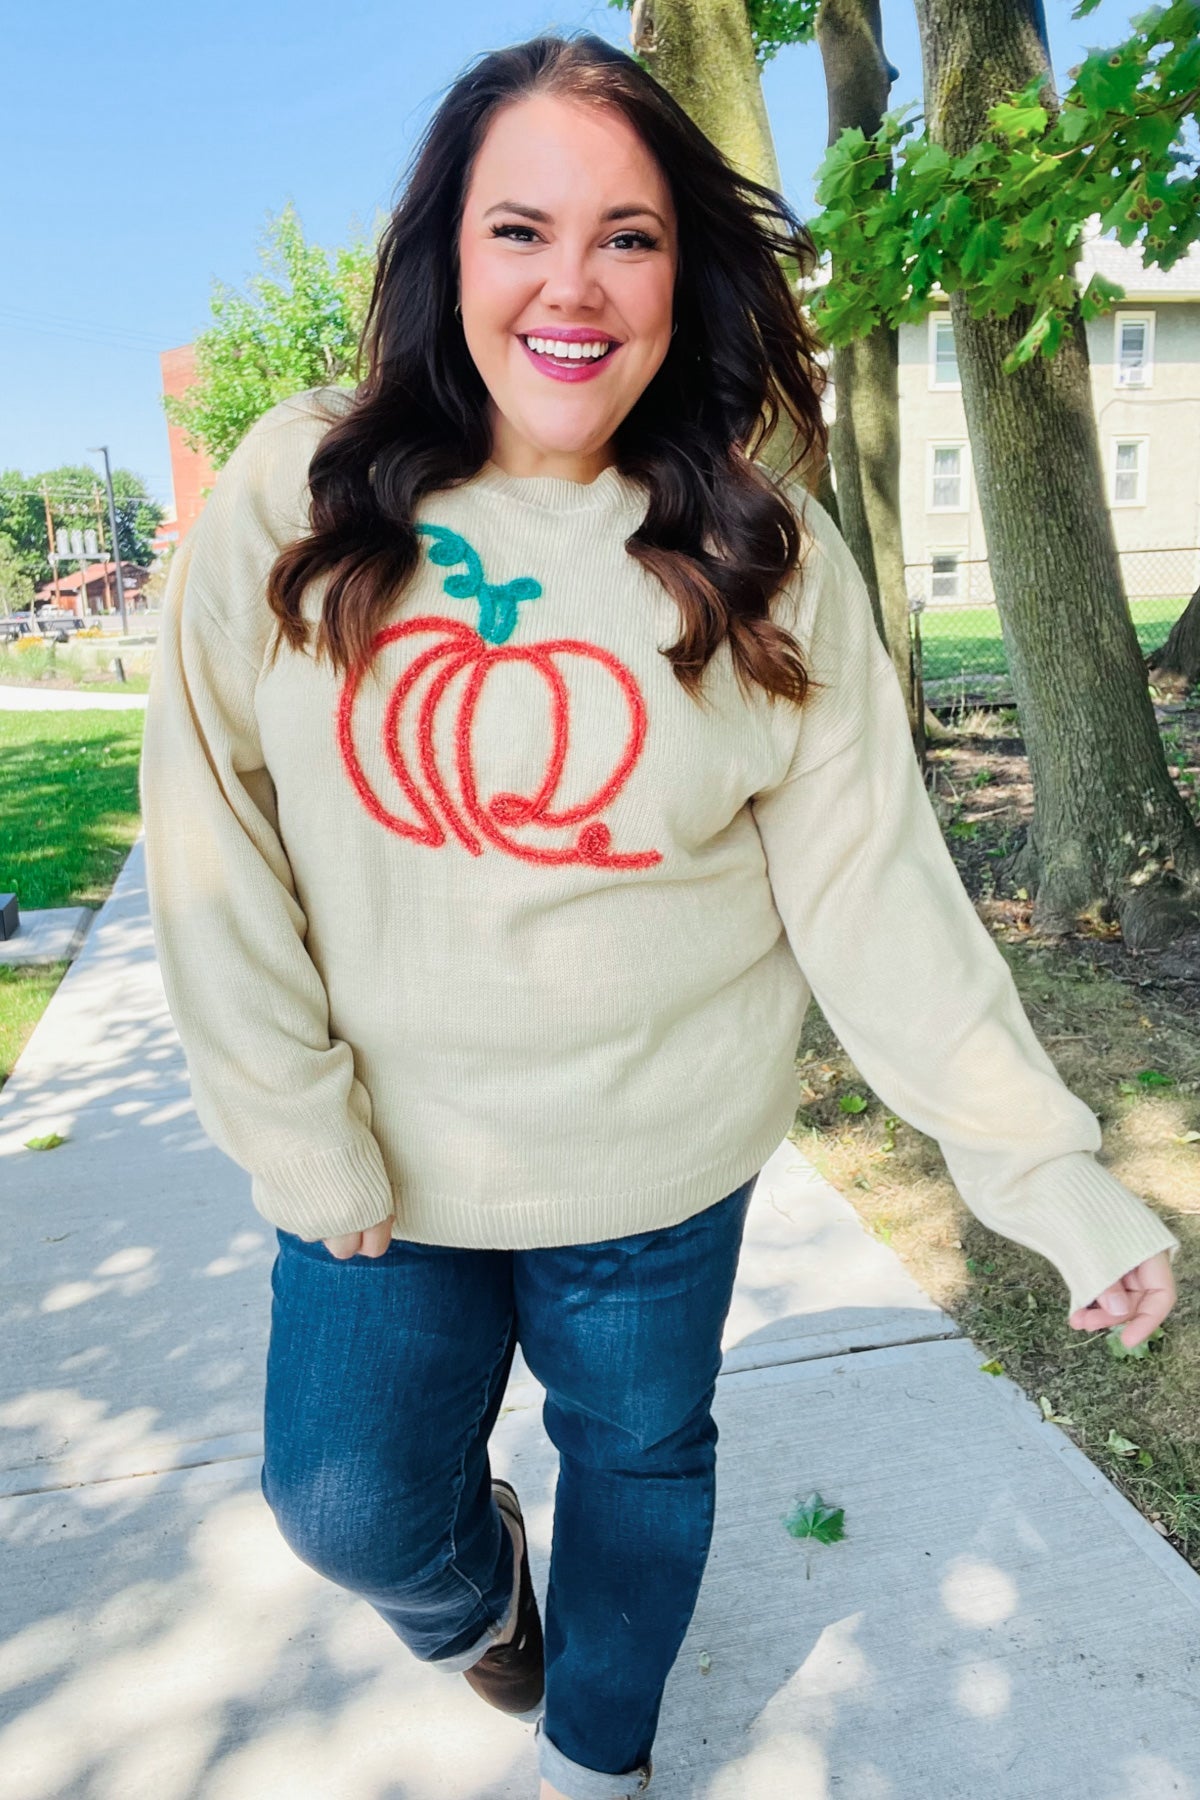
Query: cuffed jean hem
x,y
578,1783
466,1659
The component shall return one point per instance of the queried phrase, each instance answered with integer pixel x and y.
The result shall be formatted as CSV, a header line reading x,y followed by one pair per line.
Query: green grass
x,y
967,641
24,663
24,996
69,812
69,808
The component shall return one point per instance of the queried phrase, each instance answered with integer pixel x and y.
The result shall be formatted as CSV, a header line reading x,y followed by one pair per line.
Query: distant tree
x,y
73,489
16,584
295,326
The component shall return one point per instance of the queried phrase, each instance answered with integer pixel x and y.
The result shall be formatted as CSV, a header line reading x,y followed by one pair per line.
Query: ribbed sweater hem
x,y
323,1194
1075,1213
328,1193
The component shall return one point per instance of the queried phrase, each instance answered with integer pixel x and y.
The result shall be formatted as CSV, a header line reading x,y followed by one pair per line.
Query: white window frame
x,y
960,444
1120,320
1143,469
957,552
943,387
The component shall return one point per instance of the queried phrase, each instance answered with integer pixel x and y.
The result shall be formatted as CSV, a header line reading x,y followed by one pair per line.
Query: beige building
x,y
1145,357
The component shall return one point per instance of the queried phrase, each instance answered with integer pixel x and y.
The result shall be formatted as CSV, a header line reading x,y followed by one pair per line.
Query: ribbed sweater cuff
x,y
326,1193
1073,1211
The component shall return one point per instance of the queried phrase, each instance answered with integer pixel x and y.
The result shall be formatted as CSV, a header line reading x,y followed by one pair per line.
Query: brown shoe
x,y
512,1676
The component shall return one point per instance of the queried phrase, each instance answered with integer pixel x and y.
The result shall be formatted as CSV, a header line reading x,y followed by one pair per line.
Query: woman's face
x,y
539,254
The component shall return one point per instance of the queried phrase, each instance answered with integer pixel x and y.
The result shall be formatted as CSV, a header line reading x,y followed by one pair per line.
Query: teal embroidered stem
x,y
498,602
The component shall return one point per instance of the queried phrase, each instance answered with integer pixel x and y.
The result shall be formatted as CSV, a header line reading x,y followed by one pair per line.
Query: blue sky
x,y
144,146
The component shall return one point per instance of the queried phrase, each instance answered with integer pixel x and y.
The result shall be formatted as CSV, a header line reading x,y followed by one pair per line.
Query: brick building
x,y
191,472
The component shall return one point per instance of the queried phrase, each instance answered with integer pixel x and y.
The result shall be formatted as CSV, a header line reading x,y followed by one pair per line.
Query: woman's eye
x,y
643,240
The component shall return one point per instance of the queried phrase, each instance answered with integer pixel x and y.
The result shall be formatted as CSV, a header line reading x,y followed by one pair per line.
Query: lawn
x,y
967,640
69,812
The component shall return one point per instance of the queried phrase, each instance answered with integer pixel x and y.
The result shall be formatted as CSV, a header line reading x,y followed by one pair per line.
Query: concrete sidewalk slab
x,y
31,699
47,934
998,1621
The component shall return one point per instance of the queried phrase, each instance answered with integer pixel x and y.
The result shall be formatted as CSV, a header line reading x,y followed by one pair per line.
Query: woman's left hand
x,y
1141,1300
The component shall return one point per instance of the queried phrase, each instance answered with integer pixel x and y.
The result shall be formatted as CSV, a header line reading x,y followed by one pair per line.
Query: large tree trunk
x,y
866,435
702,51
1109,827
1175,665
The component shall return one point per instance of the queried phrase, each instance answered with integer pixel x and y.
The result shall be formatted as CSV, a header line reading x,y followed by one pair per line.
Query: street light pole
x,y
102,450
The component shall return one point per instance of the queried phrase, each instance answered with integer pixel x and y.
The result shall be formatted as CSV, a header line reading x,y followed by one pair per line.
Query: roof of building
x,y
96,572
1123,264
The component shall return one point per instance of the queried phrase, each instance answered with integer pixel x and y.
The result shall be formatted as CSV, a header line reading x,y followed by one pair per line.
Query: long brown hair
x,y
742,351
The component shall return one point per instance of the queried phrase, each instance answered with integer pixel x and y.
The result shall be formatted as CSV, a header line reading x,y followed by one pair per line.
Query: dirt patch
x,y
1121,1028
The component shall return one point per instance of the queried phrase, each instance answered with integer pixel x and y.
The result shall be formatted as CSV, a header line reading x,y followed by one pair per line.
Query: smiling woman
x,y
489,929
576,280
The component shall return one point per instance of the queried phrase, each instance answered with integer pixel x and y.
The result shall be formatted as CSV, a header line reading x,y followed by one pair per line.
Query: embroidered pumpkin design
x,y
457,647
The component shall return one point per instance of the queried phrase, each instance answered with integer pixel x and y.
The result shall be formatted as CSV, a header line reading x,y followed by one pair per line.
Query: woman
x,y
520,756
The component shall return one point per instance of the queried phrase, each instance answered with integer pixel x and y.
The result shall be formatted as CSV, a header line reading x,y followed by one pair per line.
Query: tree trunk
x,y
1175,665
702,52
1109,827
866,433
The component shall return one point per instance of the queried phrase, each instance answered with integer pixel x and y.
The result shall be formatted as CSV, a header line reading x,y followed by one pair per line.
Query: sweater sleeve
x,y
273,1089
904,969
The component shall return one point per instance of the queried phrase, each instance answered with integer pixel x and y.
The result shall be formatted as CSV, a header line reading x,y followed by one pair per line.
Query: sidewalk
x,y
31,699
998,1624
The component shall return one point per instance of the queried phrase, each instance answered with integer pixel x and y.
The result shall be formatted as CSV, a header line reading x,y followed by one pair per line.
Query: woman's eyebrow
x,y
544,218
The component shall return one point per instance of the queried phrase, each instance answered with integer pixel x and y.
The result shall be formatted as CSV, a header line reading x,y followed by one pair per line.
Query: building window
x,y
947,478
943,357
1133,350
1129,459
945,579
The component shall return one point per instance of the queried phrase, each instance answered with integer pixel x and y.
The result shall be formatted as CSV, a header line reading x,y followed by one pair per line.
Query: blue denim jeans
x,y
385,1377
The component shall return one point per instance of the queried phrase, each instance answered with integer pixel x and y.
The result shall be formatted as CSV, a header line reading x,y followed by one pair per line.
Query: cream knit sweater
x,y
512,940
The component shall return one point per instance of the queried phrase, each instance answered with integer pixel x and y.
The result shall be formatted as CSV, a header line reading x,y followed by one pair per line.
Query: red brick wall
x,y
190,472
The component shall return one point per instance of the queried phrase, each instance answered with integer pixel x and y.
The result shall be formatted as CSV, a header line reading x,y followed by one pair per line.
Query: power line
x,y
108,337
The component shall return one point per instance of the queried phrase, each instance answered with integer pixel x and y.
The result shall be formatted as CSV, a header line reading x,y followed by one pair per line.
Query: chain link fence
x,y
956,626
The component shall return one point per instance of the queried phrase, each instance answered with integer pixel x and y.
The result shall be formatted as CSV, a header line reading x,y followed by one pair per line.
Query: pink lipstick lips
x,y
582,370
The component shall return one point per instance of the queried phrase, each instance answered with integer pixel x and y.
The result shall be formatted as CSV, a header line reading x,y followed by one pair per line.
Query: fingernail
x,y
1120,1307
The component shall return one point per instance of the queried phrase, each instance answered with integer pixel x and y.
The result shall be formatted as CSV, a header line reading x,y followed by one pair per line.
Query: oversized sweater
x,y
510,940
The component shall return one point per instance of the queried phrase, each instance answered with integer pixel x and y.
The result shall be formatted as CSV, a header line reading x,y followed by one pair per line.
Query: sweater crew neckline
x,y
610,491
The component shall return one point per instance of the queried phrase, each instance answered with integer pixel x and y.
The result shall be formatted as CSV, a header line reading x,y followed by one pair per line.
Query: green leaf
x,y
1119,1351
852,1103
933,161
1084,8
812,1518
991,1368
1028,346
1013,122
1152,1078
51,1141
1099,294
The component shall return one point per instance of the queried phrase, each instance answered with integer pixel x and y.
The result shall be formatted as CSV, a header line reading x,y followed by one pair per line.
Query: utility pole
x,y
50,540
102,450
100,531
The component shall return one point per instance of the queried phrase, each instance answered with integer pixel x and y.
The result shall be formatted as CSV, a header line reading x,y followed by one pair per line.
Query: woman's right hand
x,y
371,1242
